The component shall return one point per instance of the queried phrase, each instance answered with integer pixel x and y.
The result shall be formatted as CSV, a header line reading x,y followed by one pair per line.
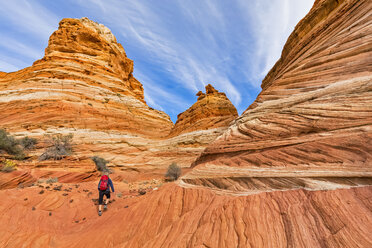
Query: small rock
x,y
76,221
41,192
64,194
84,218
71,200
50,213
141,191
126,206
58,188
25,199
33,208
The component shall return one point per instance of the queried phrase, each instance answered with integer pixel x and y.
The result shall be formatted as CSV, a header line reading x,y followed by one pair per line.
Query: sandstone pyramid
x,y
212,110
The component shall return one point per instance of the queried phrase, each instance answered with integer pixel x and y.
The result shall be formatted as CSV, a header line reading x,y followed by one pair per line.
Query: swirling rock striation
x,y
292,171
315,107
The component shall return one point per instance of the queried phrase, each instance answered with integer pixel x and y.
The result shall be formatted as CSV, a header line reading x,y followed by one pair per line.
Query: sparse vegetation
x,y
8,166
173,172
10,145
52,180
28,143
100,163
61,146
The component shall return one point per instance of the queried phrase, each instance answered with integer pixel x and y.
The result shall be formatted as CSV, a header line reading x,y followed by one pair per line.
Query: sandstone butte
x,y
84,85
293,171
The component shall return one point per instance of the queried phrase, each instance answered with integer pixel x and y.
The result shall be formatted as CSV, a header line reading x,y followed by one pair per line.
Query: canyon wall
x,y
315,107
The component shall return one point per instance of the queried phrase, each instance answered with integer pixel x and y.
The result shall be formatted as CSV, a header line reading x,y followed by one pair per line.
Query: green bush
x,y
10,145
173,172
28,143
61,146
100,163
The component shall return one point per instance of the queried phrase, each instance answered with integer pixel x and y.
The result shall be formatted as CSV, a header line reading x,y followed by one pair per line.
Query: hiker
x,y
104,189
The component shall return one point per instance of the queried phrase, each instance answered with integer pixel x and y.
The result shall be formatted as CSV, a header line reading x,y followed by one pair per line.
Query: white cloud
x,y
6,67
19,47
272,22
230,44
32,17
191,65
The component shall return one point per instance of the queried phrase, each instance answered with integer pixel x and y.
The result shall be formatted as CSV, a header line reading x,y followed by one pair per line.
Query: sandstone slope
x,y
177,217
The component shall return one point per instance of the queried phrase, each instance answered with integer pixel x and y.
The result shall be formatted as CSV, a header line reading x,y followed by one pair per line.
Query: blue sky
x,y
178,46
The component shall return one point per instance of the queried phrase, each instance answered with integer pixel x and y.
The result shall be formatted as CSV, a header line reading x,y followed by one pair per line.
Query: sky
x,y
178,46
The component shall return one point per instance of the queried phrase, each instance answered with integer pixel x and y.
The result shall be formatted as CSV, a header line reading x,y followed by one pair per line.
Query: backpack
x,y
104,183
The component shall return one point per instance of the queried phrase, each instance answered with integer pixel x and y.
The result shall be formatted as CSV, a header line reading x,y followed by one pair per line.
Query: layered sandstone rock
x,y
212,110
315,107
84,85
84,81
269,181
307,136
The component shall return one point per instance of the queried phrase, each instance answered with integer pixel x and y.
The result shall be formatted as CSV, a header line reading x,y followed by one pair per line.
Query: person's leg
x,y
100,202
107,199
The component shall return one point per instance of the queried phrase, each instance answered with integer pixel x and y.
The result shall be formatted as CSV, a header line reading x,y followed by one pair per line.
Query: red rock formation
x,y
212,110
314,109
84,81
84,85
269,181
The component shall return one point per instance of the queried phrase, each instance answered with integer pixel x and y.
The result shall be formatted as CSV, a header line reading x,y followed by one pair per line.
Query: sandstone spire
x,y
211,110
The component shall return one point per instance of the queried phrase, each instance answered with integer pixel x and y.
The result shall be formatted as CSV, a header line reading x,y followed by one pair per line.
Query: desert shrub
x,y
100,163
52,180
61,146
10,145
173,172
8,166
28,143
